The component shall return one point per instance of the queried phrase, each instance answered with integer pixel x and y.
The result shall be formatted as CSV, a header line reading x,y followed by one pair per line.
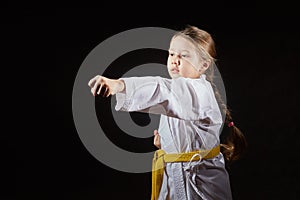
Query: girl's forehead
x,y
182,44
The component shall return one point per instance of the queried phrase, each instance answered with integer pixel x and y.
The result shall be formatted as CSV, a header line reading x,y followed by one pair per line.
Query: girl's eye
x,y
185,55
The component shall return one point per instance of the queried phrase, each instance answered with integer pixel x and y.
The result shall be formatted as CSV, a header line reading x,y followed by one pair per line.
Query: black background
x,y
258,56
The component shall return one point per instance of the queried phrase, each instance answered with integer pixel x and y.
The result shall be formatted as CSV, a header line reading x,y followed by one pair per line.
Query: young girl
x,y
190,162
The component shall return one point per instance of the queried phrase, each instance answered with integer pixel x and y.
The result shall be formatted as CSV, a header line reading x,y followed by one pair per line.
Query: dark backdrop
x,y
258,55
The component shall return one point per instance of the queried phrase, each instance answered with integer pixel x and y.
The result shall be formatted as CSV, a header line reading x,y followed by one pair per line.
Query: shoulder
x,y
192,82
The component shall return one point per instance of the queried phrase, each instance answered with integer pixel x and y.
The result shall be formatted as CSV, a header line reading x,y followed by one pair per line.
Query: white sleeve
x,y
181,98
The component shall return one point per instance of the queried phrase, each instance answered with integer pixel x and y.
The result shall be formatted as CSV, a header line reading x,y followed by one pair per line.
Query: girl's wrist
x,y
121,84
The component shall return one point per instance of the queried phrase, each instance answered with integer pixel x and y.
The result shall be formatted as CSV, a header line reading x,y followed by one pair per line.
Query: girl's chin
x,y
175,76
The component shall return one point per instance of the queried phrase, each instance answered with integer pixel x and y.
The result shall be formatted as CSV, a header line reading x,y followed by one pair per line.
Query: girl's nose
x,y
176,60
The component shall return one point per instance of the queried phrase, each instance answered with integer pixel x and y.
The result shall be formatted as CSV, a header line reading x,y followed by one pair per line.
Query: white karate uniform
x,y
190,120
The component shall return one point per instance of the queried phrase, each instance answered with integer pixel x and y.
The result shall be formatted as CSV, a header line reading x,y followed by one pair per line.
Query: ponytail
x,y
234,144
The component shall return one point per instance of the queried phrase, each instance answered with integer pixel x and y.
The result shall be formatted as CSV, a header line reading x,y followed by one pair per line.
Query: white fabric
x,y
190,120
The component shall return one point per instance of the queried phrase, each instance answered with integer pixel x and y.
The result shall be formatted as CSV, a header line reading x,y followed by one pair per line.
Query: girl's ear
x,y
205,65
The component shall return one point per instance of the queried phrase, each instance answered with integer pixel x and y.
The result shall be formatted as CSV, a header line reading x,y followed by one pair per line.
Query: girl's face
x,y
183,60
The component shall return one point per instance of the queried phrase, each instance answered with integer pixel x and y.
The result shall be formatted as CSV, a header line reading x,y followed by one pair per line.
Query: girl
x,y
190,162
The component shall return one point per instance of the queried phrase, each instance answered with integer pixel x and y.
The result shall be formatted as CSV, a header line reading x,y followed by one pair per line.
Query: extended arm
x,y
172,97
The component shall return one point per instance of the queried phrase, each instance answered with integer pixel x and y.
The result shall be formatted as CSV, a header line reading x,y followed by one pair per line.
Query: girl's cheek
x,y
182,72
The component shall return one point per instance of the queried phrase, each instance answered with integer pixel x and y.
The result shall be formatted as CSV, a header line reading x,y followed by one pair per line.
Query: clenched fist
x,y
105,87
156,140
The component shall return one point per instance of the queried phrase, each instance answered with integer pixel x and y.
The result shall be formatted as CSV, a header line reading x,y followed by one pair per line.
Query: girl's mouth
x,y
175,71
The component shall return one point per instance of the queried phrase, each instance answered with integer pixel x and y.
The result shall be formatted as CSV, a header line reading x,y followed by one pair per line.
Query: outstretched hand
x,y
105,87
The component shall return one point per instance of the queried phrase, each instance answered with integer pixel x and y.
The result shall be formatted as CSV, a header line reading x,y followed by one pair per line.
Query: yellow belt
x,y
160,158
